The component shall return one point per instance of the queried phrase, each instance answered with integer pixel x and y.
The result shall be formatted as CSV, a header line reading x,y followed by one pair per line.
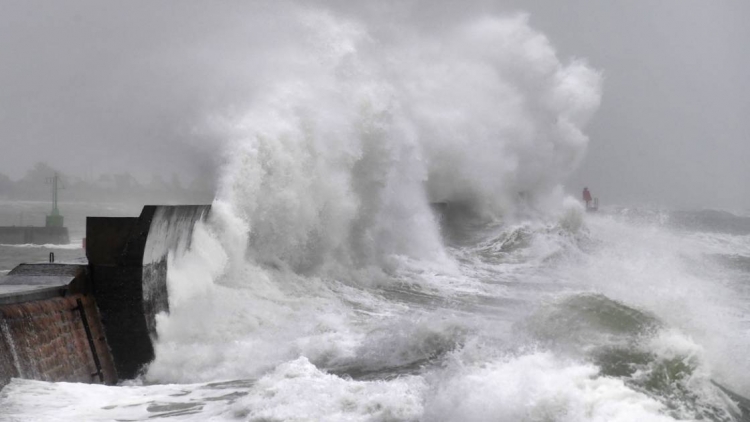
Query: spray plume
x,y
351,137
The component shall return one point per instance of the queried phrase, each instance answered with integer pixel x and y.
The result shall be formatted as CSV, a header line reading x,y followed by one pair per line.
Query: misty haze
x,y
376,211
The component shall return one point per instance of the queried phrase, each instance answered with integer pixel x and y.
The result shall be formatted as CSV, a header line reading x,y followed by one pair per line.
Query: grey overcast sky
x,y
94,87
674,126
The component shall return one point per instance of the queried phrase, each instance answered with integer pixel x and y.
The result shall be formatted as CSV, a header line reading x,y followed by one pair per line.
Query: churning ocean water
x,y
391,241
625,315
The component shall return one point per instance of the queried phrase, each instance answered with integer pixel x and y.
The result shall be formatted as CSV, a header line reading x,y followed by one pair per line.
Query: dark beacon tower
x,y
55,219
56,232
53,232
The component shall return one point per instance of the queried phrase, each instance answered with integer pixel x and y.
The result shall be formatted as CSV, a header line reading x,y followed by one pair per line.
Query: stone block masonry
x,y
47,340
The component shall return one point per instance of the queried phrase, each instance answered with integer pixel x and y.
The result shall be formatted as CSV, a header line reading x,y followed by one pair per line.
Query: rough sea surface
x,y
391,241
634,315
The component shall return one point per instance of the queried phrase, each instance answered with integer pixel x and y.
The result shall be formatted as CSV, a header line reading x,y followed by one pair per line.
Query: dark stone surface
x,y
106,238
30,282
47,340
119,293
62,270
42,335
19,294
35,280
114,248
127,261
8,367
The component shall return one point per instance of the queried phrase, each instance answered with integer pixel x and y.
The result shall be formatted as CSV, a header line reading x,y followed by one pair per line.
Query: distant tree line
x,y
120,187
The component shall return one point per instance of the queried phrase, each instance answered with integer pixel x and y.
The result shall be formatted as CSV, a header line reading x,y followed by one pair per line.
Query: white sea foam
x,y
297,391
294,391
69,246
671,274
329,177
537,386
338,165
323,260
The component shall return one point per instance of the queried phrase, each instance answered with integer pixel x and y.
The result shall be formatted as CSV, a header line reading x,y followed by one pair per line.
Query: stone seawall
x,y
50,328
47,340
94,322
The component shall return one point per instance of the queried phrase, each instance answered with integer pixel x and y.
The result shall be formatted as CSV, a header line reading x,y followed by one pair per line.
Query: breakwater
x,y
93,322
20,235
50,328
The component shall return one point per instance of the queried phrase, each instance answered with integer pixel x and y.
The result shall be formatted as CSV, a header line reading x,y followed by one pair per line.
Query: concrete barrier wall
x,y
128,265
47,340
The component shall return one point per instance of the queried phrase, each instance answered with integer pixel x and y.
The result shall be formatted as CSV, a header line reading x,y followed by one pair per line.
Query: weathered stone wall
x,y
46,340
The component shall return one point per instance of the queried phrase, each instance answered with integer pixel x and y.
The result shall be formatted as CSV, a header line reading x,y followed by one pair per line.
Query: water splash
x,y
338,158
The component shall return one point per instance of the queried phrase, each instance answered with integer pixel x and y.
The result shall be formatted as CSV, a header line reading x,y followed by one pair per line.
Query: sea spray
x,y
390,241
331,169
336,160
